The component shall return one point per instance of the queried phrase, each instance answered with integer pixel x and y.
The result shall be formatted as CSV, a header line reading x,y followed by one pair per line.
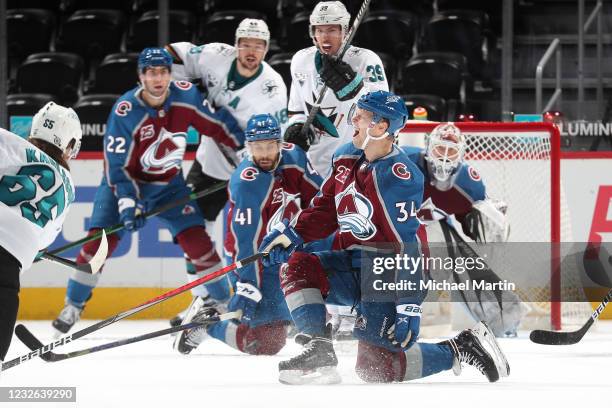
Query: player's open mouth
x,y
326,48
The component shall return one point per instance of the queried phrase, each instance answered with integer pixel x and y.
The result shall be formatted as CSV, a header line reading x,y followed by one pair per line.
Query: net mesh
x,y
514,161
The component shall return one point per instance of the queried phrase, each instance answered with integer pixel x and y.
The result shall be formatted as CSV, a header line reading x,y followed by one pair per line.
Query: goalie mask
x,y
444,155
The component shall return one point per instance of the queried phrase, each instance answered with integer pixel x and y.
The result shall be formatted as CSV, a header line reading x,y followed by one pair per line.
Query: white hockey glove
x,y
487,222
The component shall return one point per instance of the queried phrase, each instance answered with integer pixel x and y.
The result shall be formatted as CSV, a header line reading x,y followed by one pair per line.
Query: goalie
x,y
456,188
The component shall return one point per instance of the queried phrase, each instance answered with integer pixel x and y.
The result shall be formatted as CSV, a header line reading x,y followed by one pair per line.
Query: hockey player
x,y
370,197
236,78
458,189
359,72
143,149
274,183
36,191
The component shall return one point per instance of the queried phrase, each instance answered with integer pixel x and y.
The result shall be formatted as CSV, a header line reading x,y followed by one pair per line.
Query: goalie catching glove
x,y
487,222
340,77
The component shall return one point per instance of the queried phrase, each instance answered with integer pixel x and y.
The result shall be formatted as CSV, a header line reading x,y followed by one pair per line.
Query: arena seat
x,y
55,73
93,111
461,31
143,33
221,25
116,74
28,31
91,33
297,32
391,32
439,73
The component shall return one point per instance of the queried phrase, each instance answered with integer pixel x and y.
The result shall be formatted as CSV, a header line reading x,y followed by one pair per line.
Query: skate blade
x,y
320,376
486,337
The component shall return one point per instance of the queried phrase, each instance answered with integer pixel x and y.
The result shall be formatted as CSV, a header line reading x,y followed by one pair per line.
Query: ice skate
x,y
200,310
69,315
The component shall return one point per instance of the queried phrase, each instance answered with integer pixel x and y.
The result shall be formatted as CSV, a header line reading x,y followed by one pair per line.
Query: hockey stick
x,y
343,48
119,227
566,338
33,343
120,316
92,267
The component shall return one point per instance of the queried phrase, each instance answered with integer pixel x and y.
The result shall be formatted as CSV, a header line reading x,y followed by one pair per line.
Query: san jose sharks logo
x,y
269,88
165,154
290,205
355,213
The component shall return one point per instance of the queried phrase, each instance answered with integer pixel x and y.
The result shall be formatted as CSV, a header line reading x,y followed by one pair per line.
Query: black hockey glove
x,y
340,77
293,134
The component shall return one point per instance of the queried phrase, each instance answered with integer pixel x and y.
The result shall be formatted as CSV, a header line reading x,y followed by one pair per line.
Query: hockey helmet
x,y
262,127
253,28
154,57
329,13
59,126
385,105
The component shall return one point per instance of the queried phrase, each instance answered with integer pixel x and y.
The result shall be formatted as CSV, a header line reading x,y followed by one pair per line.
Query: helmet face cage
x,y
253,28
445,151
329,13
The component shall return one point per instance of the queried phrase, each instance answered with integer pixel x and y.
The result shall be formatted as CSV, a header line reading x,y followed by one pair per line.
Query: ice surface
x,y
152,374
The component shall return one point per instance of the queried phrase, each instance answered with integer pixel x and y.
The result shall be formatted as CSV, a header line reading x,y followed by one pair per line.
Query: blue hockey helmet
x,y
154,57
385,105
262,126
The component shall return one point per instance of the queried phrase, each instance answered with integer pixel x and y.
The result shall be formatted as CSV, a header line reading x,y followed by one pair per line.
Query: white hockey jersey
x,y
215,65
35,194
334,116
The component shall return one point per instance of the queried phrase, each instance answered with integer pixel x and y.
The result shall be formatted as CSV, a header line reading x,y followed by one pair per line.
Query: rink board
x,y
147,263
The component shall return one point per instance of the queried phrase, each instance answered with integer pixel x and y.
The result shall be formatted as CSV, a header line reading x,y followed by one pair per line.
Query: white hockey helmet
x,y
329,13
445,150
59,126
253,28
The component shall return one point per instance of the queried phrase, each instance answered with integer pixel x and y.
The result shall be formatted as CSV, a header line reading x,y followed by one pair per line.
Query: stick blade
x,y
98,259
31,342
552,338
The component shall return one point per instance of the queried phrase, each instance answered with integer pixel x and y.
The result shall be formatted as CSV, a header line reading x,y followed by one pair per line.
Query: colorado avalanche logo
x,y
474,174
249,174
123,108
184,85
290,206
355,213
401,172
164,154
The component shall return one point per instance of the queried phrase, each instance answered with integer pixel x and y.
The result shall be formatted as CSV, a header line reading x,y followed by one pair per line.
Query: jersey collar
x,y
236,81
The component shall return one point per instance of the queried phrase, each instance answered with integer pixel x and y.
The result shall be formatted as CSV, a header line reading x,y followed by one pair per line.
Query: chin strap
x,y
370,137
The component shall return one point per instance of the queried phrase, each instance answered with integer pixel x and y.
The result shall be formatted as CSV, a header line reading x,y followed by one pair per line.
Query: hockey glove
x,y
407,325
280,244
293,134
340,77
130,213
246,299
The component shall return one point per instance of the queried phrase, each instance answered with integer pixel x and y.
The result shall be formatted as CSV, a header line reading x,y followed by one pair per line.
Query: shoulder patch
x,y
184,85
249,174
401,171
123,108
474,174
288,146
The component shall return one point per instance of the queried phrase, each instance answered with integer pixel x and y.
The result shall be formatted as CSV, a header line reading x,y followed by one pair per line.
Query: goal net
x,y
520,164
